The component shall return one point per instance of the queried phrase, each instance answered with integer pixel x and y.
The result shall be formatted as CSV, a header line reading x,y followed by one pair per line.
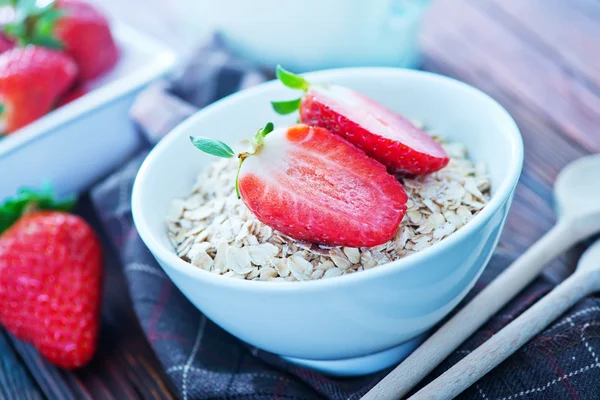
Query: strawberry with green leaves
x,y
313,185
381,133
50,278
73,26
31,80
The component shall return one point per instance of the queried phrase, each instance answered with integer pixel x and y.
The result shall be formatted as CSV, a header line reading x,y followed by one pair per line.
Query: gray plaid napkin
x,y
205,362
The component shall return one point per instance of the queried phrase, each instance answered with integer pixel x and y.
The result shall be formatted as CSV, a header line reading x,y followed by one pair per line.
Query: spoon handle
x,y
505,342
487,303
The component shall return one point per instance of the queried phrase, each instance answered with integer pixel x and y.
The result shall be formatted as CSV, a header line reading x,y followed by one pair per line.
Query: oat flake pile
x,y
213,230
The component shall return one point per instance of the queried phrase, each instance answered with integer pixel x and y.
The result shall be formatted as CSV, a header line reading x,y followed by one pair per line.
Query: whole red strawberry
x,y
31,80
86,36
50,279
381,133
72,26
313,185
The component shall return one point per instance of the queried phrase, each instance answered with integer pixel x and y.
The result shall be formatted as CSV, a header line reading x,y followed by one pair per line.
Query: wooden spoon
x,y
577,194
584,281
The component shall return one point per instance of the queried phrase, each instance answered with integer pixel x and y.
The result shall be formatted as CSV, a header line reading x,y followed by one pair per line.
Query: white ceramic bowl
x,y
78,143
362,322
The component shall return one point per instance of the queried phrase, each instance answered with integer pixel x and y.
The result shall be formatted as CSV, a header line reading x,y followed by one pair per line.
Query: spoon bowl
x,y
577,187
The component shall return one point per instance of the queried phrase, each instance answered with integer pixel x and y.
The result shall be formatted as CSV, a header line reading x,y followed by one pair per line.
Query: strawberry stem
x,y
257,141
28,200
262,132
220,149
242,157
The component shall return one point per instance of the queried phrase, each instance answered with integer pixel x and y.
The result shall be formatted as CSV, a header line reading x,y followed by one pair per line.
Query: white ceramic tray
x,y
75,145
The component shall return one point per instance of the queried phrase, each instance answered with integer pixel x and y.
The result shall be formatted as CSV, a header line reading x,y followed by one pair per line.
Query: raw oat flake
x,y
213,230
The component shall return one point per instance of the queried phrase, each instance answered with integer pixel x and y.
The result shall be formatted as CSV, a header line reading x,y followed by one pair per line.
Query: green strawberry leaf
x,y
15,30
266,130
27,199
44,25
34,24
213,147
286,107
258,140
46,41
291,80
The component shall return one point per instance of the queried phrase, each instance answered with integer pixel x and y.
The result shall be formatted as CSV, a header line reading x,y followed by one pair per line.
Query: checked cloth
x,y
205,362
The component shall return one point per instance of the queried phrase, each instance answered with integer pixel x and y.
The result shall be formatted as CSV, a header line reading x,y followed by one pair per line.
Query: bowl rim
x,y
159,250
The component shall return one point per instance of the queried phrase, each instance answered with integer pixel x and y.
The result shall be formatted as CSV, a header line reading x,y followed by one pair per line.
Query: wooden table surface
x,y
539,58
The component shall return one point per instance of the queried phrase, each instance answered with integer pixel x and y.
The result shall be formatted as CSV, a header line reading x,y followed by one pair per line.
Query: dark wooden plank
x,y
15,381
53,382
486,48
462,41
532,210
125,367
553,97
567,31
589,8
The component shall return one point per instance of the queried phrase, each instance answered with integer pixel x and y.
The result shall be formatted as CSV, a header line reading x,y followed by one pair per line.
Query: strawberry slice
x,y
381,133
313,185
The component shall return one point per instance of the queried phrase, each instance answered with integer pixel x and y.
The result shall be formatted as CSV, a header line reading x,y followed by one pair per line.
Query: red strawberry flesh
x,y
313,185
50,279
380,132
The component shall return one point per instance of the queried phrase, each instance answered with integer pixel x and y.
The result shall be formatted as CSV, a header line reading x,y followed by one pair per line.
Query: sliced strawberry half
x,y
313,185
380,132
